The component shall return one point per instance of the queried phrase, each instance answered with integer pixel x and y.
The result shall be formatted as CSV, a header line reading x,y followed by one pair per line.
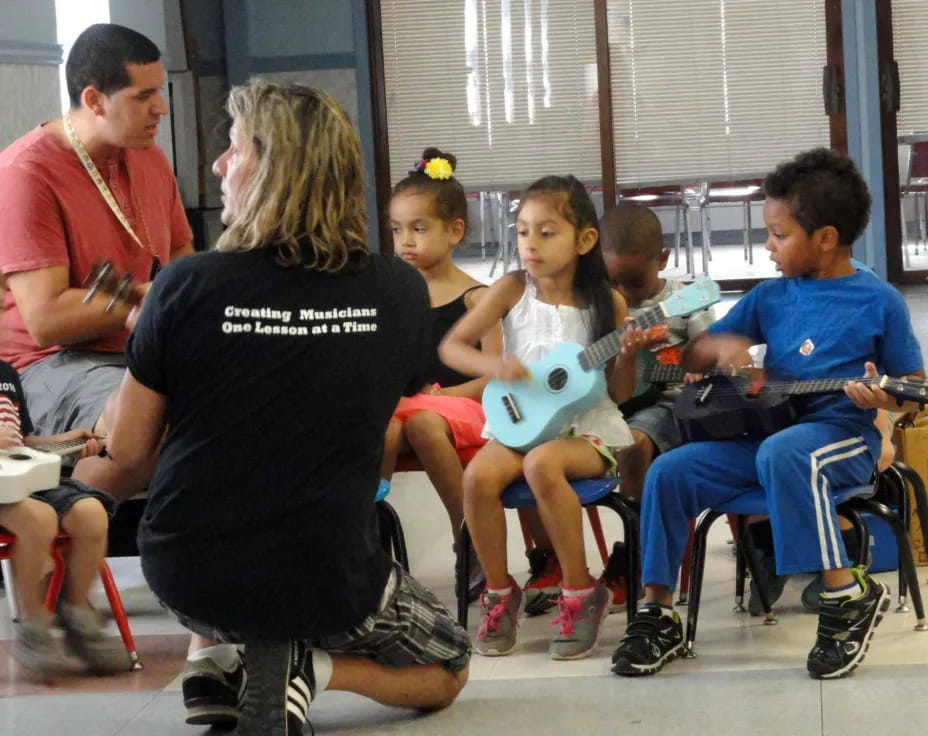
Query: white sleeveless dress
x,y
532,328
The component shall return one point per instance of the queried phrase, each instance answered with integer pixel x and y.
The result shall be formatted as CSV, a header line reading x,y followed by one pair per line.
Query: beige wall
x,y
29,58
32,92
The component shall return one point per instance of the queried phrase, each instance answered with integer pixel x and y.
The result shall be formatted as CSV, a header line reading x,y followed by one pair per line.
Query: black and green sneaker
x,y
812,593
651,640
845,627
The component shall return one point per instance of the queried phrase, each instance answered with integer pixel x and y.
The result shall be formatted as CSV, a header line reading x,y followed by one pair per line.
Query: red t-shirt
x,y
51,214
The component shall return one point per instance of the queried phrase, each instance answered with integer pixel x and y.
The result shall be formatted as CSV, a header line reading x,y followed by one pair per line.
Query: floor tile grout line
x,y
155,694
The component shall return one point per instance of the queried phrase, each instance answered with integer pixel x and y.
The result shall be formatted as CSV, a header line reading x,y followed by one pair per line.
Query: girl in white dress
x,y
563,295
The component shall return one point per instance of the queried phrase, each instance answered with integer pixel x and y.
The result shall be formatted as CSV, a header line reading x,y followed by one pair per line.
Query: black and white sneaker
x,y
301,687
213,696
651,640
845,627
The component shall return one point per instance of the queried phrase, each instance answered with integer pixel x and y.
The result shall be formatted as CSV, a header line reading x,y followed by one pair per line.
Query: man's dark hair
x,y
631,228
99,56
822,188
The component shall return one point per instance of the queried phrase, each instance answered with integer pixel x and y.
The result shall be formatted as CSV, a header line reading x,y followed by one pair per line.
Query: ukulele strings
x,y
786,386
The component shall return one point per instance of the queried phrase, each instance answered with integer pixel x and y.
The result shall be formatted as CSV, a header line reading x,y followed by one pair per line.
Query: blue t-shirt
x,y
828,328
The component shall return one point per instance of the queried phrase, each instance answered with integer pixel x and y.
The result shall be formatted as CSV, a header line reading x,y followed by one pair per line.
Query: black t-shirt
x,y
13,412
280,383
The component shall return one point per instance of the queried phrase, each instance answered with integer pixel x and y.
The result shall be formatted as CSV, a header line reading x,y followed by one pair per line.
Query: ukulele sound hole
x,y
557,379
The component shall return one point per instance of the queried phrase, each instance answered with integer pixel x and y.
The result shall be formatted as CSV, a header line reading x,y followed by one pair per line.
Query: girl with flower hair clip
x,y
428,216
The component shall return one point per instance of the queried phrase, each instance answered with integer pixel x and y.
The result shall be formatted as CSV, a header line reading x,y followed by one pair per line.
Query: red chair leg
x,y
593,514
119,615
526,533
57,581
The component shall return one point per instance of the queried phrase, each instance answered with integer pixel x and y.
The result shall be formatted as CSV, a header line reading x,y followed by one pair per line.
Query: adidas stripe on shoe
x,y
301,687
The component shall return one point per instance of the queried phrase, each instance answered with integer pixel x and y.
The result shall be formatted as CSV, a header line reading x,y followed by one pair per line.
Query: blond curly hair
x,y
304,197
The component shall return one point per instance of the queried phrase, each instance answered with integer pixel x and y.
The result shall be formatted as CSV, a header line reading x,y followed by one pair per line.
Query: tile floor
x,y
747,677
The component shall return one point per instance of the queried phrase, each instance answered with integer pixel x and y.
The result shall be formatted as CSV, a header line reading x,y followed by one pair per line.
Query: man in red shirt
x,y
60,217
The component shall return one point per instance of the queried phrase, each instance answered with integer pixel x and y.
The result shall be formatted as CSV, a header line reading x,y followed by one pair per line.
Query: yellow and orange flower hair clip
x,y
434,168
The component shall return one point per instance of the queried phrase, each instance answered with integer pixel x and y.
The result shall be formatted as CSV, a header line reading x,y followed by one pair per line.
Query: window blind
x,y
714,90
507,86
910,48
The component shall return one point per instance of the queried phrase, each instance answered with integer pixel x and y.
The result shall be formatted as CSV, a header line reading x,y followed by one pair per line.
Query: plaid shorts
x,y
411,626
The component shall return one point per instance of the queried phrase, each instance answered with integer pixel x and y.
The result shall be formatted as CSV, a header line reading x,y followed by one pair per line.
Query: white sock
x,y
225,656
852,590
577,592
501,592
322,669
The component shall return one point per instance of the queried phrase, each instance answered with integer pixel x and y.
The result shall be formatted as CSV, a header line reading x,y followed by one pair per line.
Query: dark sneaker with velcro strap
x,y
845,627
651,640
812,593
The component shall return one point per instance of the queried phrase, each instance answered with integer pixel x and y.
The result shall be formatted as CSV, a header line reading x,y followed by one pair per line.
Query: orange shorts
x,y
464,416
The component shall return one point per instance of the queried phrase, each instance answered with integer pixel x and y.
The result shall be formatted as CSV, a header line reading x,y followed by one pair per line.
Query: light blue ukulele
x,y
570,379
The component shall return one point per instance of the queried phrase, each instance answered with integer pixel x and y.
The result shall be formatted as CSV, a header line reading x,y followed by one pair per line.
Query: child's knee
x,y
30,517
481,481
86,519
453,683
425,428
542,468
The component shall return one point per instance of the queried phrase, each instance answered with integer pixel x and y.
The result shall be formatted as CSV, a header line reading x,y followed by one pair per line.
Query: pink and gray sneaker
x,y
579,623
499,620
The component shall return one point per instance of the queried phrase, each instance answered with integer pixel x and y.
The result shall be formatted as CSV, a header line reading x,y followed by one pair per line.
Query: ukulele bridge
x,y
704,394
512,408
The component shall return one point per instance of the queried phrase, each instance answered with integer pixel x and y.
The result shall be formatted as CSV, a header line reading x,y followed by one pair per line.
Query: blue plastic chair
x,y
598,492
851,503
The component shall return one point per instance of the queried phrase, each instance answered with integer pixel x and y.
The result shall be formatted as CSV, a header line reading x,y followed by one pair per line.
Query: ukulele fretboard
x,y
815,385
610,345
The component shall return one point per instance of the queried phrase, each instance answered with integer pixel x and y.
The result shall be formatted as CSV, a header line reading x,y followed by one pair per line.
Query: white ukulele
x,y
25,470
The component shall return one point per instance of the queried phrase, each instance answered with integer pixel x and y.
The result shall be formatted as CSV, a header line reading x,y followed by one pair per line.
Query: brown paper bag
x,y
912,448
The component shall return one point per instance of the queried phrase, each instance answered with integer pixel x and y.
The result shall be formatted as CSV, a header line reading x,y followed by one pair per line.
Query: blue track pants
x,y
797,468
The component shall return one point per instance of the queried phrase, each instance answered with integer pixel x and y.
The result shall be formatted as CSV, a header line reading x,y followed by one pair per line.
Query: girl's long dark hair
x,y
591,282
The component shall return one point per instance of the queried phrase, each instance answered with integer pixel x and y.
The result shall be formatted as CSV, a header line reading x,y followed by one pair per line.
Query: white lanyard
x,y
101,185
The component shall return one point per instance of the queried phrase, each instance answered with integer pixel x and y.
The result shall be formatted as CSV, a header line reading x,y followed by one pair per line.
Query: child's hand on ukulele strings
x,y
868,396
635,338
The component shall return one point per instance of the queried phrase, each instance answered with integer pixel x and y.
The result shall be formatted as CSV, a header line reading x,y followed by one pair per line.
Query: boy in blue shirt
x,y
824,319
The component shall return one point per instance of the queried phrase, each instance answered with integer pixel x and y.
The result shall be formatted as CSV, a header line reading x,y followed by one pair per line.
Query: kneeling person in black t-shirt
x,y
276,363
